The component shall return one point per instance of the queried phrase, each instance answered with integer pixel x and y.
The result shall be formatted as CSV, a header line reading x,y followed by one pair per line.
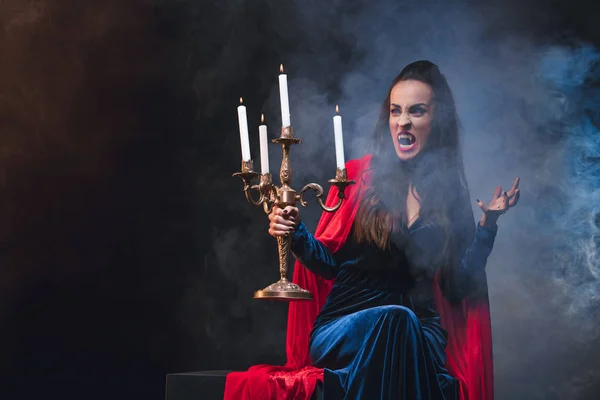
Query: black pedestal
x,y
203,385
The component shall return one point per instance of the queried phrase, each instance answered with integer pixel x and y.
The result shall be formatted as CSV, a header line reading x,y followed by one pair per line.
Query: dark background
x,y
127,250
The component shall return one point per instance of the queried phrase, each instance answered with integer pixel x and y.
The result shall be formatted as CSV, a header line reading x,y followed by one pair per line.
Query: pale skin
x,y
411,112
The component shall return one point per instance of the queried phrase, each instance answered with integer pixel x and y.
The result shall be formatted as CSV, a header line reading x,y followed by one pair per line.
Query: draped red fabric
x,y
469,350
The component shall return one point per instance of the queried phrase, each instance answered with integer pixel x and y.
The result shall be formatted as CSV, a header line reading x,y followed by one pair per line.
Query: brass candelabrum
x,y
282,196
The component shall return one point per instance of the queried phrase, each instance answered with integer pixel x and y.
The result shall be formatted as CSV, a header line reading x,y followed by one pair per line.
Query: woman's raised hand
x,y
501,202
283,221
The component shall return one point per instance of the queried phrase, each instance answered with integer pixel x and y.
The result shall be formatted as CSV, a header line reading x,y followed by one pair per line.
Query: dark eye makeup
x,y
416,109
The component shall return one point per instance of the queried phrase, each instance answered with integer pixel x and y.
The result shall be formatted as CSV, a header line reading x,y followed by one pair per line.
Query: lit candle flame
x,y
262,118
281,68
337,109
241,101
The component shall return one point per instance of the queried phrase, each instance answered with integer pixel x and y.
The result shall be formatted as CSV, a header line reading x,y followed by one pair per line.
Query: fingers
x,y
283,221
513,202
502,201
277,230
481,205
280,226
291,211
497,192
514,193
514,187
504,204
276,219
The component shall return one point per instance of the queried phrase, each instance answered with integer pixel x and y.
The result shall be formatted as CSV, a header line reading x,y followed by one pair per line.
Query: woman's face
x,y
411,113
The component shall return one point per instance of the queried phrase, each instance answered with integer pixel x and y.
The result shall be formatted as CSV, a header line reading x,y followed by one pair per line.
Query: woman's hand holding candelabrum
x,y
279,202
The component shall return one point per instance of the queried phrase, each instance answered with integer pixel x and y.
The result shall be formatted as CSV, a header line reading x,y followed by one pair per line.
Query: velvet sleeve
x,y
476,255
457,282
465,279
313,254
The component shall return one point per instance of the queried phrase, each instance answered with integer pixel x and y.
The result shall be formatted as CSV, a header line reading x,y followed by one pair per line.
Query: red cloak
x,y
469,348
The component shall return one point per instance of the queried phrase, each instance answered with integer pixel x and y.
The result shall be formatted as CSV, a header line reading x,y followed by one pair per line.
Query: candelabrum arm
x,y
270,196
341,182
267,191
248,192
319,195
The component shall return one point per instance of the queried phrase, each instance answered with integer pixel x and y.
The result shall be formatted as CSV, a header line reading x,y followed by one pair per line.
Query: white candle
x,y
264,149
283,98
339,140
243,122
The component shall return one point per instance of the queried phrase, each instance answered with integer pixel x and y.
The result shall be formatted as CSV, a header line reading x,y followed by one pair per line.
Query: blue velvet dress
x,y
378,335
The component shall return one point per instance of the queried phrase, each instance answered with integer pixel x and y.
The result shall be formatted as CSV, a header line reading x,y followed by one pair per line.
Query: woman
x,y
379,334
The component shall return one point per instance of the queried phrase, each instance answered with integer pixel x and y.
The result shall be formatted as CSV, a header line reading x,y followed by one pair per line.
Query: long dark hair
x,y
436,174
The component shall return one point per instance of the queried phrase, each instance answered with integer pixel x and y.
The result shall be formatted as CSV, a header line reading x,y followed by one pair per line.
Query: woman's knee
x,y
400,312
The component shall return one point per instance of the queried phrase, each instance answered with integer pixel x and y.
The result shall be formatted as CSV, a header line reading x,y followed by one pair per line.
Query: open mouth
x,y
406,141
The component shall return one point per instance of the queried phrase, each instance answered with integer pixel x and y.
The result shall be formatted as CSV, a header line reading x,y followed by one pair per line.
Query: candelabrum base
x,y
283,290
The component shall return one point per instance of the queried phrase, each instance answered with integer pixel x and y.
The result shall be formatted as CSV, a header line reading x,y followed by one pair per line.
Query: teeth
x,y
406,140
